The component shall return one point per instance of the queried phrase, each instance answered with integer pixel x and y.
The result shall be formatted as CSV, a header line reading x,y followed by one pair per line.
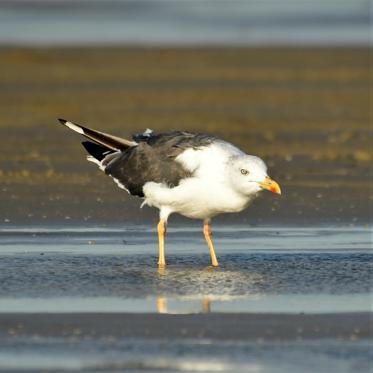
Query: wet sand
x,y
220,326
305,111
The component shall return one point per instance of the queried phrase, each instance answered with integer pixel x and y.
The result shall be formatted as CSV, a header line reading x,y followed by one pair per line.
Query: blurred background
x,y
285,80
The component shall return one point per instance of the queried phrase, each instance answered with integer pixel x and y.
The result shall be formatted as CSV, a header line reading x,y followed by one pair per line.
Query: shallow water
x,y
192,22
262,270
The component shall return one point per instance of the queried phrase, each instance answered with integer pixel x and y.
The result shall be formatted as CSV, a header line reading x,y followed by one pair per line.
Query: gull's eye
x,y
244,172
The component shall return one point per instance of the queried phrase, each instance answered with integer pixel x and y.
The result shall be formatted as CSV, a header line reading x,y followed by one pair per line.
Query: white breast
x,y
207,193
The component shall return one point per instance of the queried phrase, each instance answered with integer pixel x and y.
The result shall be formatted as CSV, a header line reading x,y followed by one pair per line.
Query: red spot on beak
x,y
270,185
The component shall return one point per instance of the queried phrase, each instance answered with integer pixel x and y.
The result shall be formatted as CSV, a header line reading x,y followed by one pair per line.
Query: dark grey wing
x,y
154,160
174,138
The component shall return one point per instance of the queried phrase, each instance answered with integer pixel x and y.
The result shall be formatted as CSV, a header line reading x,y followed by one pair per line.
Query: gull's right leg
x,y
162,229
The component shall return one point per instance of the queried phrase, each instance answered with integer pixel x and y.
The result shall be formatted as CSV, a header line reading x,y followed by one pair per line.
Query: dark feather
x,y
97,151
109,141
154,160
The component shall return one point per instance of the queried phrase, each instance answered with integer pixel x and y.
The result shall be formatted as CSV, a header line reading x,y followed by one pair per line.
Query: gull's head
x,y
248,175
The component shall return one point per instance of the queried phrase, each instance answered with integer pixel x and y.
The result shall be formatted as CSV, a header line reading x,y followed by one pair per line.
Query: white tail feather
x,y
96,161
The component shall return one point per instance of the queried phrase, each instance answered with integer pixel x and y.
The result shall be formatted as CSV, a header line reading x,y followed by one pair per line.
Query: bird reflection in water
x,y
205,306
192,289
205,303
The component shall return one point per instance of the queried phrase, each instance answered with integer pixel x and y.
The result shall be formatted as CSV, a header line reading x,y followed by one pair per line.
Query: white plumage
x,y
213,188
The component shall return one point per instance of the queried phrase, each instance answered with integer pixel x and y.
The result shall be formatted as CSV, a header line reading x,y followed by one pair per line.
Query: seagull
x,y
195,175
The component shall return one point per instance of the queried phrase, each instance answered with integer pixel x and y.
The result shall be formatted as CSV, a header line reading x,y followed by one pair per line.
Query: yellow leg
x,y
161,235
207,233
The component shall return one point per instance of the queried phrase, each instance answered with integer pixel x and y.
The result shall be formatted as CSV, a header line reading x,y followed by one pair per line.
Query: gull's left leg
x,y
208,234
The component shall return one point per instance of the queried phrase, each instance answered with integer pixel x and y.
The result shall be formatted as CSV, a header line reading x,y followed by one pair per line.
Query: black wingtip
x,y
62,121
97,151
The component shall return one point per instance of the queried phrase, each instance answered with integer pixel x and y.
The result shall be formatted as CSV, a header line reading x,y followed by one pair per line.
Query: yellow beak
x,y
270,185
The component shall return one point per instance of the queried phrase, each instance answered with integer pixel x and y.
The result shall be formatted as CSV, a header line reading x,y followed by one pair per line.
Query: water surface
x,y
57,274
261,270
182,22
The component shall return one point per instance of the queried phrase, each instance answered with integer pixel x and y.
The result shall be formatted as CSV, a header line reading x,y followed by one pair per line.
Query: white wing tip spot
x,y
74,127
147,132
